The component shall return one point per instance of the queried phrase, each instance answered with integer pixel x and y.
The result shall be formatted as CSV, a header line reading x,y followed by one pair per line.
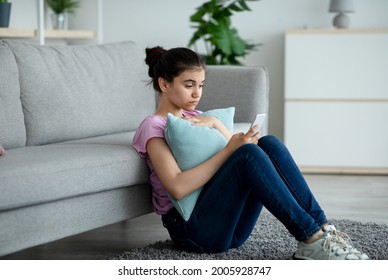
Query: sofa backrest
x,y
73,92
12,129
244,87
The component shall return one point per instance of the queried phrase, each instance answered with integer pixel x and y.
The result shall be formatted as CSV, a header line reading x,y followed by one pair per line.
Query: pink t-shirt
x,y
153,126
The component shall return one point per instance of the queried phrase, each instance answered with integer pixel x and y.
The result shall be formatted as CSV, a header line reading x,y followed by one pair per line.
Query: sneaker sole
x,y
299,258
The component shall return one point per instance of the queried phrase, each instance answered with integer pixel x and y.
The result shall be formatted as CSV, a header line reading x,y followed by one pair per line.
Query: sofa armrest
x,y
245,88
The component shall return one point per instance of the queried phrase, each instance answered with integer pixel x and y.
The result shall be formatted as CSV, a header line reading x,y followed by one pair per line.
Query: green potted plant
x,y
213,25
61,9
5,12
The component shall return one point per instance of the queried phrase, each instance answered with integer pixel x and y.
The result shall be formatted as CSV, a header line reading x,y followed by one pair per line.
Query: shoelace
x,y
333,244
342,237
339,235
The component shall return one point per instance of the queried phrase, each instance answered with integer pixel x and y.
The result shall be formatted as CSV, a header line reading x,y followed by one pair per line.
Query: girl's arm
x,y
179,184
211,121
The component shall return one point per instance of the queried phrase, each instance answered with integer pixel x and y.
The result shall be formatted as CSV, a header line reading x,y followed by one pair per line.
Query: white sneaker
x,y
328,247
342,237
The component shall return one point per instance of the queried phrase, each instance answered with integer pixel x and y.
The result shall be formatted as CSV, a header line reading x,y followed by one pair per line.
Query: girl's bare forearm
x,y
188,181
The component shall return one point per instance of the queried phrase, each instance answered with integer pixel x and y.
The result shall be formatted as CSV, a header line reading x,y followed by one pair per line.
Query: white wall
x,y
166,23
24,14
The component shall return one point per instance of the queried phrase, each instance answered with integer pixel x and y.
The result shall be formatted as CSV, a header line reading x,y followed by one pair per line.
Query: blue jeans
x,y
230,203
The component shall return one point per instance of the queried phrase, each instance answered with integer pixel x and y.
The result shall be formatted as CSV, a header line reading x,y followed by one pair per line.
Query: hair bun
x,y
153,55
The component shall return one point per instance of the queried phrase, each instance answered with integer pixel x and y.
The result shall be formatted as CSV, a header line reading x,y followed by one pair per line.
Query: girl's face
x,y
185,90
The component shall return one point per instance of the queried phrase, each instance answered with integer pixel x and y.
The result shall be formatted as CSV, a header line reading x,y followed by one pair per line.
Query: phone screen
x,y
259,120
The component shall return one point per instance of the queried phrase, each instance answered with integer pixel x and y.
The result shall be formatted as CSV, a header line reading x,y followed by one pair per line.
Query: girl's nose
x,y
197,92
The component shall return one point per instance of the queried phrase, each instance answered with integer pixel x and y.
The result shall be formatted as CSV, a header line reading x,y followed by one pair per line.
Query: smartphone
x,y
259,119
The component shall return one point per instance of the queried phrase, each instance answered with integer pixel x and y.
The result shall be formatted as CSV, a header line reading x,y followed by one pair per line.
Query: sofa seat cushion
x,y
124,139
241,127
37,174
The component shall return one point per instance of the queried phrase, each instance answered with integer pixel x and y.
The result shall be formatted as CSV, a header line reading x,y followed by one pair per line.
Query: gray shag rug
x,y
269,241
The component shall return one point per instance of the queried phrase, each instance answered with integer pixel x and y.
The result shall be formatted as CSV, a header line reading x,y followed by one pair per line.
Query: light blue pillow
x,y
192,145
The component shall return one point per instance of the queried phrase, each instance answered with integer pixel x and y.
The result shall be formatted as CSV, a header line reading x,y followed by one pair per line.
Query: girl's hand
x,y
239,139
209,121
212,122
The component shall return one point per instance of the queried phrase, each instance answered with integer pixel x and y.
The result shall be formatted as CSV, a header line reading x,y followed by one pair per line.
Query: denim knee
x,y
249,152
269,140
247,149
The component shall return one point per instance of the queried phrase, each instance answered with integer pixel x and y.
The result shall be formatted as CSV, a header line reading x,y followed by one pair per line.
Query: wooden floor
x,y
359,198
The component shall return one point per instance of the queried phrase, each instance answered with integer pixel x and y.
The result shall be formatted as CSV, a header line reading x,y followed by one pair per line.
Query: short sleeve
x,y
152,126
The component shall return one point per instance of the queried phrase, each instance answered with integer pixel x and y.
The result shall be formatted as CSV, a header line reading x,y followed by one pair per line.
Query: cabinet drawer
x,y
326,134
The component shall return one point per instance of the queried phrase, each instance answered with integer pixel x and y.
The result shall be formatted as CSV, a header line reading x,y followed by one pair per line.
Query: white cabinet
x,y
336,100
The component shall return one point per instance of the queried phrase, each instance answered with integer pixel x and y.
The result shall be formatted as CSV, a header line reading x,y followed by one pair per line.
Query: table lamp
x,y
341,20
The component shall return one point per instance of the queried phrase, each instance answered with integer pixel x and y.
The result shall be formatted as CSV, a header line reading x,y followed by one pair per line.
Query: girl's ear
x,y
163,84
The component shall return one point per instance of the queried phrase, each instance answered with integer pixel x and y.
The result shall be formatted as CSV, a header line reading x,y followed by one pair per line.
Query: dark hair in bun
x,y
169,64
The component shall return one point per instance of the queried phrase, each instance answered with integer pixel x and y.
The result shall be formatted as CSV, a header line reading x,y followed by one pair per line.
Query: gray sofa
x,y
67,118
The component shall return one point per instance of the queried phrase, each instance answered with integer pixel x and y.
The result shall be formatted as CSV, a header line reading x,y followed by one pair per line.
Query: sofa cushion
x,y
246,89
73,92
33,175
124,139
12,129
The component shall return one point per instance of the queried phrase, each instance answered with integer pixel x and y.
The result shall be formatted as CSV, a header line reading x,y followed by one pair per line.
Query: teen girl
x,y
250,173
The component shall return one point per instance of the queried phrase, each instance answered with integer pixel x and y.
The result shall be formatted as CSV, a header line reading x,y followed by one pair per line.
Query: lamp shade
x,y
345,6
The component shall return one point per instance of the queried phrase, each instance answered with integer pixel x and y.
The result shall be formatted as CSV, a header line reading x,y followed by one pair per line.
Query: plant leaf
x,y
213,25
197,17
243,5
